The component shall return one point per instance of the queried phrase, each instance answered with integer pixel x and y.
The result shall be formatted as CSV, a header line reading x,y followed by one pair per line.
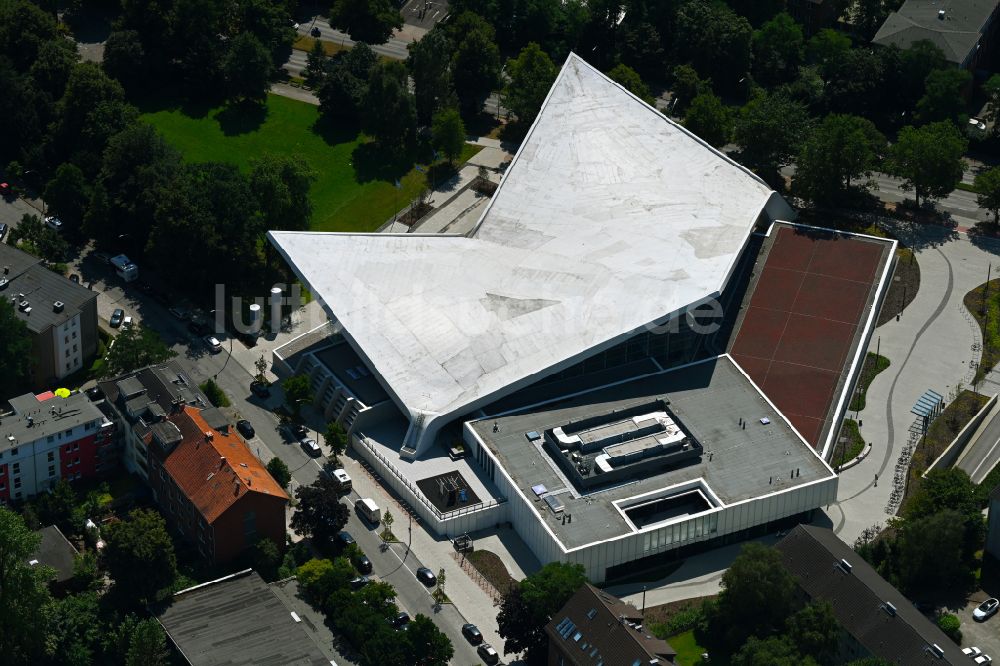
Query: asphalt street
x,y
394,48
982,454
397,566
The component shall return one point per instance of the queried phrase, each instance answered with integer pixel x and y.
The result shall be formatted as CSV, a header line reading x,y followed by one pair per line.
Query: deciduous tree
x,y
278,470
139,555
530,76
629,79
475,63
827,46
777,50
448,134
429,63
814,631
319,514
390,114
528,607
840,150
715,40
148,645
125,58
987,184
297,392
770,129
15,352
426,645
135,347
247,68
370,21
942,98
757,595
928,159
687,85
317,64
709,119
67,195
26,606
281,185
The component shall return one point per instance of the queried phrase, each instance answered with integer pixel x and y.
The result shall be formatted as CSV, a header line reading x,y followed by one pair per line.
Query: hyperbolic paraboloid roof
x,y
609,218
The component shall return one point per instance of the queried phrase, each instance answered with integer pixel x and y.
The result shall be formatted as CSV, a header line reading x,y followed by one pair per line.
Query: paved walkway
x,y
468,597
930,346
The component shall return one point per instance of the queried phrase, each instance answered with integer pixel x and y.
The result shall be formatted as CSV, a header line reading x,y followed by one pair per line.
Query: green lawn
x,y
688,651
354,188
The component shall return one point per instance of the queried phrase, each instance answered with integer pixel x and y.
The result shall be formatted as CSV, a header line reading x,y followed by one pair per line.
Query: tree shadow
x,y
374,163
986,236
335,131
91,26
241,117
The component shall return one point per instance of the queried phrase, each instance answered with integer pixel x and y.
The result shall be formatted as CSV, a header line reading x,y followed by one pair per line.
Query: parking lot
x,y
984,635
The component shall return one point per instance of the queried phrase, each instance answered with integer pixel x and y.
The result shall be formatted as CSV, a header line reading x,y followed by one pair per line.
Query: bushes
x,y
685,619
950,624
214,393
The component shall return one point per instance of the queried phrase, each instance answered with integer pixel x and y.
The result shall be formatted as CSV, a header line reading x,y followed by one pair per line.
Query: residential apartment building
x,y
141,398
598,628
211,487
964,31
875,618
60,314
46,438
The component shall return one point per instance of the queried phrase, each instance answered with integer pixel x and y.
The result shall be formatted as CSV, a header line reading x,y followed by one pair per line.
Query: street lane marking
x,y
982,462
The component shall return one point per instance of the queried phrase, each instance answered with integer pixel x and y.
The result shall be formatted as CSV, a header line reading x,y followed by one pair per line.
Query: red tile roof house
x,y
211,487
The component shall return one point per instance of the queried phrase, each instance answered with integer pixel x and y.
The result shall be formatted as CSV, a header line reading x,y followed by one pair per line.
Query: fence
x,y
409,491
957,447
478,578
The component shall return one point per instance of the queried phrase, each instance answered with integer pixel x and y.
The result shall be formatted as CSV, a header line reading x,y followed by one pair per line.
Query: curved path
x,y
930,347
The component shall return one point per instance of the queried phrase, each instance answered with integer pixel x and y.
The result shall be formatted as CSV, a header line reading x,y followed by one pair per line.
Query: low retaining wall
x,y
957,446
854,461
449,525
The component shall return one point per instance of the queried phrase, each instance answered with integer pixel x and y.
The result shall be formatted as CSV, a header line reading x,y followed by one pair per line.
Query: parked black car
x,y
363,564
427,577
472,634
401,620
245,428
116,318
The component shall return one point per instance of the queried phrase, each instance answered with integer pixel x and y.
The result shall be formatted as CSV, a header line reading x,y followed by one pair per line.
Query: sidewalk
x,y
929,347
468,598
304,319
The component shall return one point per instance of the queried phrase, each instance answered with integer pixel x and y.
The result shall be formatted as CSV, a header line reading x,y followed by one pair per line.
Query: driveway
x,y
983,635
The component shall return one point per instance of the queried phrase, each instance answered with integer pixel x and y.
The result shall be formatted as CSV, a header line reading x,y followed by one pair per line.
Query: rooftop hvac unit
x,y
4,282
890,608
58,306
23,305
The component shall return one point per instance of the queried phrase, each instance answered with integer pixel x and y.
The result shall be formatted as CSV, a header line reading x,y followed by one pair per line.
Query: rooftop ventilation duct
x,y
58,306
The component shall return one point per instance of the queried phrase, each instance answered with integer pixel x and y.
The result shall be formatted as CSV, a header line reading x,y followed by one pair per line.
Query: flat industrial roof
x,y
49,415
609,218
709,398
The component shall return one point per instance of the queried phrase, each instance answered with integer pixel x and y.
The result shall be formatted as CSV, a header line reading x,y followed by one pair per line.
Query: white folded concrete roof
x,y
610,218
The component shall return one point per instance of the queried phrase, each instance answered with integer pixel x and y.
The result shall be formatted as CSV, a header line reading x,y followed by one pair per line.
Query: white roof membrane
x,y
610,217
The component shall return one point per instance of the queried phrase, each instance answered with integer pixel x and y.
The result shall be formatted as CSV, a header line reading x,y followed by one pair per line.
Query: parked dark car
x,y
472,634
344,539
401,620
359,582
363,564
245,428
315,32
116,318
427,577
3,230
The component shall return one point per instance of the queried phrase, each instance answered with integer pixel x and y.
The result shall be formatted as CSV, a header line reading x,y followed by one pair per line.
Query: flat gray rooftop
x,y
41,288
237,620
48,417
709,398
344,362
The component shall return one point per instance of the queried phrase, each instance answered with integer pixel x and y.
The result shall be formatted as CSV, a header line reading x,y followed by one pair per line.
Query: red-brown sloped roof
x,y
215,469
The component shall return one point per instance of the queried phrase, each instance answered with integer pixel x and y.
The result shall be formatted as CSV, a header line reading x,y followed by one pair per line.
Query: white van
x,y
369,510
342,480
